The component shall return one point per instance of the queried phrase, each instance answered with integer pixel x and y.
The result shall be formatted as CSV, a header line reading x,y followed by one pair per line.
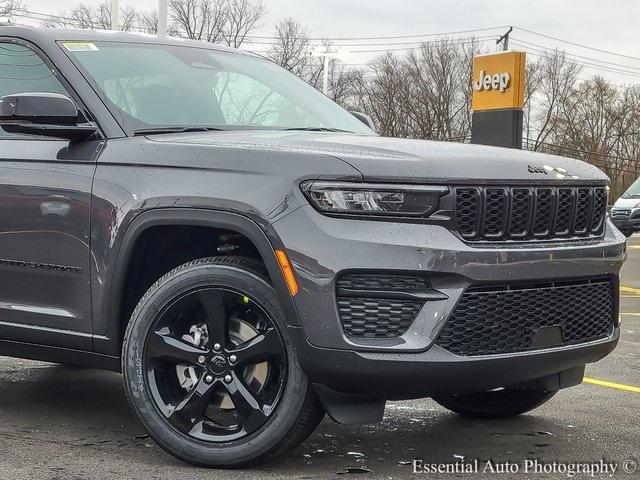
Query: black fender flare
x,y
191,217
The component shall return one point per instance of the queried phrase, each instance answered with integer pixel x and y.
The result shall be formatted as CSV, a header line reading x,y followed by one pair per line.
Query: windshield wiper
x,y
318,129
178,129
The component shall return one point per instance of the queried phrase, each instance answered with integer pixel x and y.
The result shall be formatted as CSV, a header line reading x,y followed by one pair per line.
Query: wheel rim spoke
x,y
212,302
192,400
191,410
261,348
162,345
251,411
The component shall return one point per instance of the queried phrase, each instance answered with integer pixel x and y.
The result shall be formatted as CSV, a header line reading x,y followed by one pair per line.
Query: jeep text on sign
x,y
498,81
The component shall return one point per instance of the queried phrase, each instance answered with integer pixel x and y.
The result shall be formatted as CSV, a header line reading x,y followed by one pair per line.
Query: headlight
x,y
373,199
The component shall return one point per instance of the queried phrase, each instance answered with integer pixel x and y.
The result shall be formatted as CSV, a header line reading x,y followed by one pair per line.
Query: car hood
x,y
403,160
627,203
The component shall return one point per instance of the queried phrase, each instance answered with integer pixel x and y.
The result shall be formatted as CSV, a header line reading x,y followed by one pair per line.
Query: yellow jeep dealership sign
x,y
498,81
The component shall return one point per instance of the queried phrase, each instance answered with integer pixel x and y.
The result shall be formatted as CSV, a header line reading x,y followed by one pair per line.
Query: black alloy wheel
x,y
209,368
207,378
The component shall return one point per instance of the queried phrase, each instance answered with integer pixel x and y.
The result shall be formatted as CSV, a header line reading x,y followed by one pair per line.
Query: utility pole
x,y
325,75
162,18
504,39
327,53
114,15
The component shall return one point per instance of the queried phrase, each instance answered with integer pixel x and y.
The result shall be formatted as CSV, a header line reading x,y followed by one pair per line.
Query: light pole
x,y
327,53
162,18
114,15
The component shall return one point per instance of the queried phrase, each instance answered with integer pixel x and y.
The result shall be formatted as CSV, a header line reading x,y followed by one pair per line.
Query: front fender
x,y
111,288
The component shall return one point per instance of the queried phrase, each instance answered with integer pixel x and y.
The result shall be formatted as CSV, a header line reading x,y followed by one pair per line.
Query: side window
x,y
21,71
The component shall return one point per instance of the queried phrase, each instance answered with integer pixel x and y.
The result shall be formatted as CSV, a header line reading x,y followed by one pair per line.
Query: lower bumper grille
x,y
379,305
509,319
376,317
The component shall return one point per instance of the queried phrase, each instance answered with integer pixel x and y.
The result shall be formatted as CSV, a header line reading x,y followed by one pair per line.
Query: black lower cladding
x,y
370,307
508,319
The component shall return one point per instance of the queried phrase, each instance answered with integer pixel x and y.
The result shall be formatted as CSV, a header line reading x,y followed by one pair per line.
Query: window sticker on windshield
x,y
80,46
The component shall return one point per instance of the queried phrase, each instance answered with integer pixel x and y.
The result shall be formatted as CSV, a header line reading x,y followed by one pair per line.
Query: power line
x,y
458,41
571,61
254,39
47,15
580,56
389,37
578,44
390,44
415,44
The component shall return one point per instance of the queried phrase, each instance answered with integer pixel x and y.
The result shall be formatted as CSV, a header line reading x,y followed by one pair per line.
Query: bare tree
x,y
382,92
92,17
216,21
241,18
468,51
9,7
440,97
199,19
291,48
533,82
148,21
559,77
341,82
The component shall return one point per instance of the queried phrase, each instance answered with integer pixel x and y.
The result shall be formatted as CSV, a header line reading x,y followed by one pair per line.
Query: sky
x,y
604,25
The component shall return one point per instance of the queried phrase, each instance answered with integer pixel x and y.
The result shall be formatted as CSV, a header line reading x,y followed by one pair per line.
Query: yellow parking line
x,y
619,386
630,313
626,289
634,246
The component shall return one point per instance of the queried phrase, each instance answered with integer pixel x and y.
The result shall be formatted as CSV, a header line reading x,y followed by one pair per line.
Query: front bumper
x,y
627,223
626,218
321,248
436,371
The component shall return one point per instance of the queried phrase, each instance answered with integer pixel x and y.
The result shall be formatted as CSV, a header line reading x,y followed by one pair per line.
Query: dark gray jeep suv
x,y
251,256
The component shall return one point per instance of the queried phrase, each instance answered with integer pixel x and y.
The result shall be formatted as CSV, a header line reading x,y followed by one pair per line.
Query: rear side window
x,y
21,71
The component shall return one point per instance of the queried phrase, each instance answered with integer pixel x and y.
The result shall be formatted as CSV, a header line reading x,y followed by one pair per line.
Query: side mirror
x,y
364,118
48,114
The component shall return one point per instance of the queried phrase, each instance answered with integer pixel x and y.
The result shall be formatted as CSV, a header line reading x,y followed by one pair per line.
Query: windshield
x,y
633,191
151,86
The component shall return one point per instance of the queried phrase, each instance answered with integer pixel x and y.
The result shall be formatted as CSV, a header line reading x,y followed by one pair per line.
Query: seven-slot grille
x,y
509,319
485,214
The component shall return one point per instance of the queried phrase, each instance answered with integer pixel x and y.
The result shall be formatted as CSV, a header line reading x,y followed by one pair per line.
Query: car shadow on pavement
x,y
433,435
87,409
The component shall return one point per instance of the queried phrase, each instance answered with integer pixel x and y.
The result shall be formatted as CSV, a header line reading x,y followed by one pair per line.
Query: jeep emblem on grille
x,y
546,169
533,169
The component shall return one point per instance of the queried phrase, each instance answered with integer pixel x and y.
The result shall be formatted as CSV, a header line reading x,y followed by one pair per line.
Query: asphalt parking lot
x,y
63,423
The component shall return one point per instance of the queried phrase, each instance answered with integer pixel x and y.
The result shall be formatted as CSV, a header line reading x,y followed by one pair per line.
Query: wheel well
x,y
160,249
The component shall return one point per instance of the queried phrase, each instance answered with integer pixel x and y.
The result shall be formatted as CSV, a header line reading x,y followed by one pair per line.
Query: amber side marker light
x,y
287,272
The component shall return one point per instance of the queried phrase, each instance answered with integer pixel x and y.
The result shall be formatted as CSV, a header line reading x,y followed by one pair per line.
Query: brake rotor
x,y
240,331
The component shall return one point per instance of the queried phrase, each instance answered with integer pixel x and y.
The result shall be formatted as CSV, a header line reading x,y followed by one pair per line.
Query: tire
x,y
502,403
267,423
